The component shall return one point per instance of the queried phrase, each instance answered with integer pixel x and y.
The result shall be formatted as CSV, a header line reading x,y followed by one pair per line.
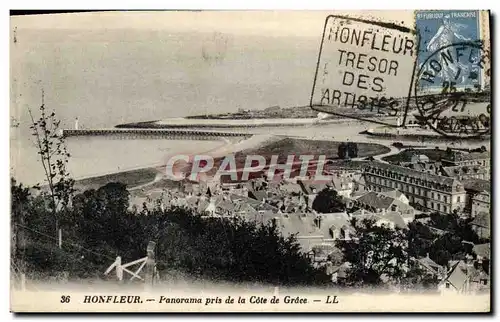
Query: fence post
x,y
59,239
119,269
150,265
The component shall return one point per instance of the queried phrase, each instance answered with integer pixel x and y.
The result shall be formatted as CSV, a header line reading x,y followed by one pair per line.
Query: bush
x,y
102,228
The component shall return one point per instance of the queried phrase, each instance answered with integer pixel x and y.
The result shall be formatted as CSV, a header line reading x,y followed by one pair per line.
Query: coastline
x,y
417,135
247,140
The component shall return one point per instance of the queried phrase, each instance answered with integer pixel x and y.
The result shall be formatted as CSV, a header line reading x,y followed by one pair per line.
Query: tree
x,y
456,225
447,247
420,239
377,254
54,158
20,197
443,222
102,221
342,151
418,277
398,145
229,249
115,197
328,201
352,149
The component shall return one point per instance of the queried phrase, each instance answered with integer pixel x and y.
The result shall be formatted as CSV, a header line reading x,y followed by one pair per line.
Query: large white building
x,y
429,191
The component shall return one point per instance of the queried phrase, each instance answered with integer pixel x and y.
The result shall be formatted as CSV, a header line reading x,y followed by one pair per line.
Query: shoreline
x,y
428,135
251,144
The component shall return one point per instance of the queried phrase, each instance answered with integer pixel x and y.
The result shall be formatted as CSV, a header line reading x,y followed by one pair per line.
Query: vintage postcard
x,y
225,161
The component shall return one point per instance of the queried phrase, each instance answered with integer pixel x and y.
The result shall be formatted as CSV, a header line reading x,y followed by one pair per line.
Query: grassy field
x,y
406,155
131,178
289,146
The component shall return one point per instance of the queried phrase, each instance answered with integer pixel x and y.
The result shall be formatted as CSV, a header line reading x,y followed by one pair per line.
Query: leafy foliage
x,y
342,151
53,158
446,241
328,201
102,227
352,149
378,254
347,150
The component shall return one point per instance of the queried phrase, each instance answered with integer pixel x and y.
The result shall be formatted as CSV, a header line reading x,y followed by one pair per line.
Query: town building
x,y
310,189
431,268
463,166
478,196
311,230
457,158
343,185
390,219
398,195
359,187
482,224
480,202
465,277
381,203
464,172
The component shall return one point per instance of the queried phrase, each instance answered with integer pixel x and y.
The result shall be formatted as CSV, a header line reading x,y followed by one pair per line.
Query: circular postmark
x,y
450,94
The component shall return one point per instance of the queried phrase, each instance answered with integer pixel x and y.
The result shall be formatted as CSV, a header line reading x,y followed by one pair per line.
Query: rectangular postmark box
x,y
365,70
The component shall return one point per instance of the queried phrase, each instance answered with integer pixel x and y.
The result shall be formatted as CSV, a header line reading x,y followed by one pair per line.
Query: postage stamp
x,y
365,70
438,29
451,90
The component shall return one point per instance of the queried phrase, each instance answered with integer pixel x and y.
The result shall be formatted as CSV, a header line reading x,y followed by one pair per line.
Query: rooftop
x,y
458,274
483,250
482,219
335,220
477,185
309,185
376,200
394,193
302,224
463,170
459,156
391,216
413,173
429,264
420,158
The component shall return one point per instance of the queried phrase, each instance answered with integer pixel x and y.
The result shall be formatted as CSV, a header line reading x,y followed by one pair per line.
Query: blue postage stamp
x,y
441,28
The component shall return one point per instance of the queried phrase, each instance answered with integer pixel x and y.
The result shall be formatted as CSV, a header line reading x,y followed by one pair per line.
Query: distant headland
x,y
271,116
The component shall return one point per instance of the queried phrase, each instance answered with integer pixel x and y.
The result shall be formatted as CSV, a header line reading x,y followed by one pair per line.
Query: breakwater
x,y
171,134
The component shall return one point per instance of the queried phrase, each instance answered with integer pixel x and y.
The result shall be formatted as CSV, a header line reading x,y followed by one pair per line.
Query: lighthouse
x,y
76,123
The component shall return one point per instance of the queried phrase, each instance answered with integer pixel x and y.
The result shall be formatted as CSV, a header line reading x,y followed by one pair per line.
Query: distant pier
x,y
171,134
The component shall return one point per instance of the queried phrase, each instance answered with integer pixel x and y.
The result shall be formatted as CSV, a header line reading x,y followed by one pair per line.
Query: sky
x,y
270,23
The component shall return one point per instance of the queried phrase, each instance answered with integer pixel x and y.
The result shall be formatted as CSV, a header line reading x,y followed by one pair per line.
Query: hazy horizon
x,y
113,67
